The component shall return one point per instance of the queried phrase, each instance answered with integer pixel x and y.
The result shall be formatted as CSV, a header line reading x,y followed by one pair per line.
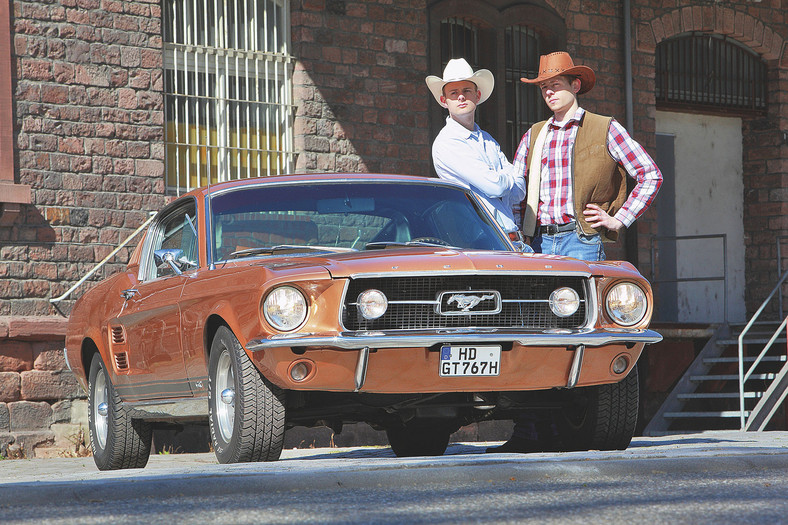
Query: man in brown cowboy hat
x,y
575,165
577,190
464,153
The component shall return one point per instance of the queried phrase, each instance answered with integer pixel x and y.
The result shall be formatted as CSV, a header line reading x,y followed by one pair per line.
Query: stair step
x,y
723,413
720,395
729,377
768,323
762,340
768,358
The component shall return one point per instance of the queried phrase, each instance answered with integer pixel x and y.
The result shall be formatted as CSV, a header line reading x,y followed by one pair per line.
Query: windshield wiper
x,y
379,245
288,248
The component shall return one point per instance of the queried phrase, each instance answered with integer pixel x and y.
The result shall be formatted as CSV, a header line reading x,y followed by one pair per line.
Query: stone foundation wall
x,y
43,410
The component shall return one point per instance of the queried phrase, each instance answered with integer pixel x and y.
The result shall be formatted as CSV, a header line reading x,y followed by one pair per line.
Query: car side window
x,y
176,231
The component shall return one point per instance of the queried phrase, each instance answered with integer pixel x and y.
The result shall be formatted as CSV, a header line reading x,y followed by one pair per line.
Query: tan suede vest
x,y
596,177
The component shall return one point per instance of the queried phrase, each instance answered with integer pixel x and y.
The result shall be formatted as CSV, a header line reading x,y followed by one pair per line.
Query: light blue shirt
x,y
475,160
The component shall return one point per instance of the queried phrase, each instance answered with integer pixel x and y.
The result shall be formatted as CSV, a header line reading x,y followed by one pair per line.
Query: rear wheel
x,y
418,438
117,441
601,417
247,421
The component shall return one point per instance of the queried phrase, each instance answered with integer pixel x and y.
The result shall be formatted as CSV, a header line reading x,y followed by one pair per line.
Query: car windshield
x,y
333,217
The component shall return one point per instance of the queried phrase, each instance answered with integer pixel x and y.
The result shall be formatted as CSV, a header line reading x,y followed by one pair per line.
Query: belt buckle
x,y
550,229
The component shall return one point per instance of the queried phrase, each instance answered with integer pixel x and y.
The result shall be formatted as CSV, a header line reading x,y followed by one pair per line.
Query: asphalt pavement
x,y
711,477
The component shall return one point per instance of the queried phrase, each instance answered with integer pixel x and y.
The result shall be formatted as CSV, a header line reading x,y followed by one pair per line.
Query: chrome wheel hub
x,y
225,402
101,408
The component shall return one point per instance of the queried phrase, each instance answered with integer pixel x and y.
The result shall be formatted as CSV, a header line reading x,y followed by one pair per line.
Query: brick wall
x,y
41,403
88,126
359,86
89,129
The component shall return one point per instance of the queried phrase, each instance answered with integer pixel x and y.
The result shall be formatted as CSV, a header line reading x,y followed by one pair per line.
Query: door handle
x,y
128,294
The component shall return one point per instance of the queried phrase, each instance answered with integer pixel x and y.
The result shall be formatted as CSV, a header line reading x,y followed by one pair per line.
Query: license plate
x,y
474,361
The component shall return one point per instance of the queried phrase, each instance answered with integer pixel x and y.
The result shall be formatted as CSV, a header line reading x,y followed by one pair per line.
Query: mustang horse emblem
x,y
466,302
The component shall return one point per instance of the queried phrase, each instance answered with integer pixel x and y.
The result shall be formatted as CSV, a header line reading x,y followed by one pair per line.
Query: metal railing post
x,y
723,277
754,318
105,260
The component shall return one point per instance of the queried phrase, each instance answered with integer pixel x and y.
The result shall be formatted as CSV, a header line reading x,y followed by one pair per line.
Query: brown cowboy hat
x,y
560,63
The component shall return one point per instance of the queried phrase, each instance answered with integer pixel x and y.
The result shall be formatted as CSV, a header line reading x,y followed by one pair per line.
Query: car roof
x,y
315,178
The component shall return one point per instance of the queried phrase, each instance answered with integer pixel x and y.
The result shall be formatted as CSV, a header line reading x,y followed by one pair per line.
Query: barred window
x,y
703,70
228,92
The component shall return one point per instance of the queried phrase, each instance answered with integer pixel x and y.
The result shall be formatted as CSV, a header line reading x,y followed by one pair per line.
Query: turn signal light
x,y
620,364
301,370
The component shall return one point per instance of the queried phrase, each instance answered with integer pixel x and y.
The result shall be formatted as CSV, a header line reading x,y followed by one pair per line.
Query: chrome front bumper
x,y
425,338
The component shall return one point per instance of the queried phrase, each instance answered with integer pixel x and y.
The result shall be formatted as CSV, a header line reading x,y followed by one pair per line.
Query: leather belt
x,y
552,229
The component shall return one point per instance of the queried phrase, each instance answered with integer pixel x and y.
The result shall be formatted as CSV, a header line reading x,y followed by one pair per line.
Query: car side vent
x,y
121,362
118,336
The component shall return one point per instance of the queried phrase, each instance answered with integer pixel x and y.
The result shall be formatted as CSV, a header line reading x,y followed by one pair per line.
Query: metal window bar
x,y
723,277
524,106
459,39
228,102
707,70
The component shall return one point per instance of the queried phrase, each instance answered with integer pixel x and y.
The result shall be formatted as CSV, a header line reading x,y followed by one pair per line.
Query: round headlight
x,y
372,304
285,308
564,302
626,304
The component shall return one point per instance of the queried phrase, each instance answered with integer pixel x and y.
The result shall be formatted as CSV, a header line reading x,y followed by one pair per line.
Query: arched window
x,y
709,71
506,38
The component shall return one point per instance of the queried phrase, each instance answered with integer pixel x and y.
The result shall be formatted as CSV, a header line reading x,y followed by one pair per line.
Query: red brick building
x,y
108,108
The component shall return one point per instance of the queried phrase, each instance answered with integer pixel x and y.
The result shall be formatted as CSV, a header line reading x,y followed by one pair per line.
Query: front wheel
x,y
601,417
247,420
418,438
117,441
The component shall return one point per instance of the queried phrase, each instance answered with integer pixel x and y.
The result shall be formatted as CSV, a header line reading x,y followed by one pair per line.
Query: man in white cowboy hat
x,y
464,153
575,164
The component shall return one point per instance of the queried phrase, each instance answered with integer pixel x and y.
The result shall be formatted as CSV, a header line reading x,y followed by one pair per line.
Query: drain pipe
x,y
631,239
628,65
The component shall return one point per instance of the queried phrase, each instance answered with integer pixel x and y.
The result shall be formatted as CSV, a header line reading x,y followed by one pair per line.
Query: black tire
x,y
418,438
601,417
252,426
117,440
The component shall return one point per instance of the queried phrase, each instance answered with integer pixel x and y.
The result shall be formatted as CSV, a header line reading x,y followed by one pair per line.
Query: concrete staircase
x,y
708,396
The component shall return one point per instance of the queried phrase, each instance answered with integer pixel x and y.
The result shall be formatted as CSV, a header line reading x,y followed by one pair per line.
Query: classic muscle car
x,y
262,304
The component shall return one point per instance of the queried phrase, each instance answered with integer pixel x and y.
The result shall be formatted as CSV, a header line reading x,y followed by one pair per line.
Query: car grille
x,y
523,302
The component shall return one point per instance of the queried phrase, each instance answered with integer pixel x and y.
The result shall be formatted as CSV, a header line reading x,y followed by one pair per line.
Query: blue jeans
x,y
571,244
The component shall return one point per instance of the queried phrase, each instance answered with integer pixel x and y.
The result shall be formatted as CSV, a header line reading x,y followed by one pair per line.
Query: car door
x,y
151,320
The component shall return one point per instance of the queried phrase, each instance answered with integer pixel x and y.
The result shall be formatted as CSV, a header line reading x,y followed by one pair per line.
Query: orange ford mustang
x,y
262,304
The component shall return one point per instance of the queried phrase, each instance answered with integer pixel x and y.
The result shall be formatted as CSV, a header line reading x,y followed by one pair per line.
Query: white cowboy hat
x,y
457,70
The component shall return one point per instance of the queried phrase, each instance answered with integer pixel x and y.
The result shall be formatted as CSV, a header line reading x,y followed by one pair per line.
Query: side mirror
x,y
172,257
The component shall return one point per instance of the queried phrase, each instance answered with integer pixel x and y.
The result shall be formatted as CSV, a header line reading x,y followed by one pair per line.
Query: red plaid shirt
x,y
555,192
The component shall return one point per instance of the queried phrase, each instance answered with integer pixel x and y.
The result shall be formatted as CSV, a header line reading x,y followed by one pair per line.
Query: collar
x,y
576,119
460,131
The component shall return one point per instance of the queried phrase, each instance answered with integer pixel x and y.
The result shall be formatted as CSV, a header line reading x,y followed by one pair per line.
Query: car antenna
x,y
209,233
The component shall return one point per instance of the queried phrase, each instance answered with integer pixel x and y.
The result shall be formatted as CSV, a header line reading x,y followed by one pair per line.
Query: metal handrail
x,y
723,277
742,377
105,260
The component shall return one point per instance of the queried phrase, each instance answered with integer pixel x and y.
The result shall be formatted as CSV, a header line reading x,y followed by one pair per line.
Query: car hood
x,y
432,260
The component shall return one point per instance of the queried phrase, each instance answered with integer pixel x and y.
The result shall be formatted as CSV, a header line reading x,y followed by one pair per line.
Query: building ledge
x,y
12,196
683,330
33,327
